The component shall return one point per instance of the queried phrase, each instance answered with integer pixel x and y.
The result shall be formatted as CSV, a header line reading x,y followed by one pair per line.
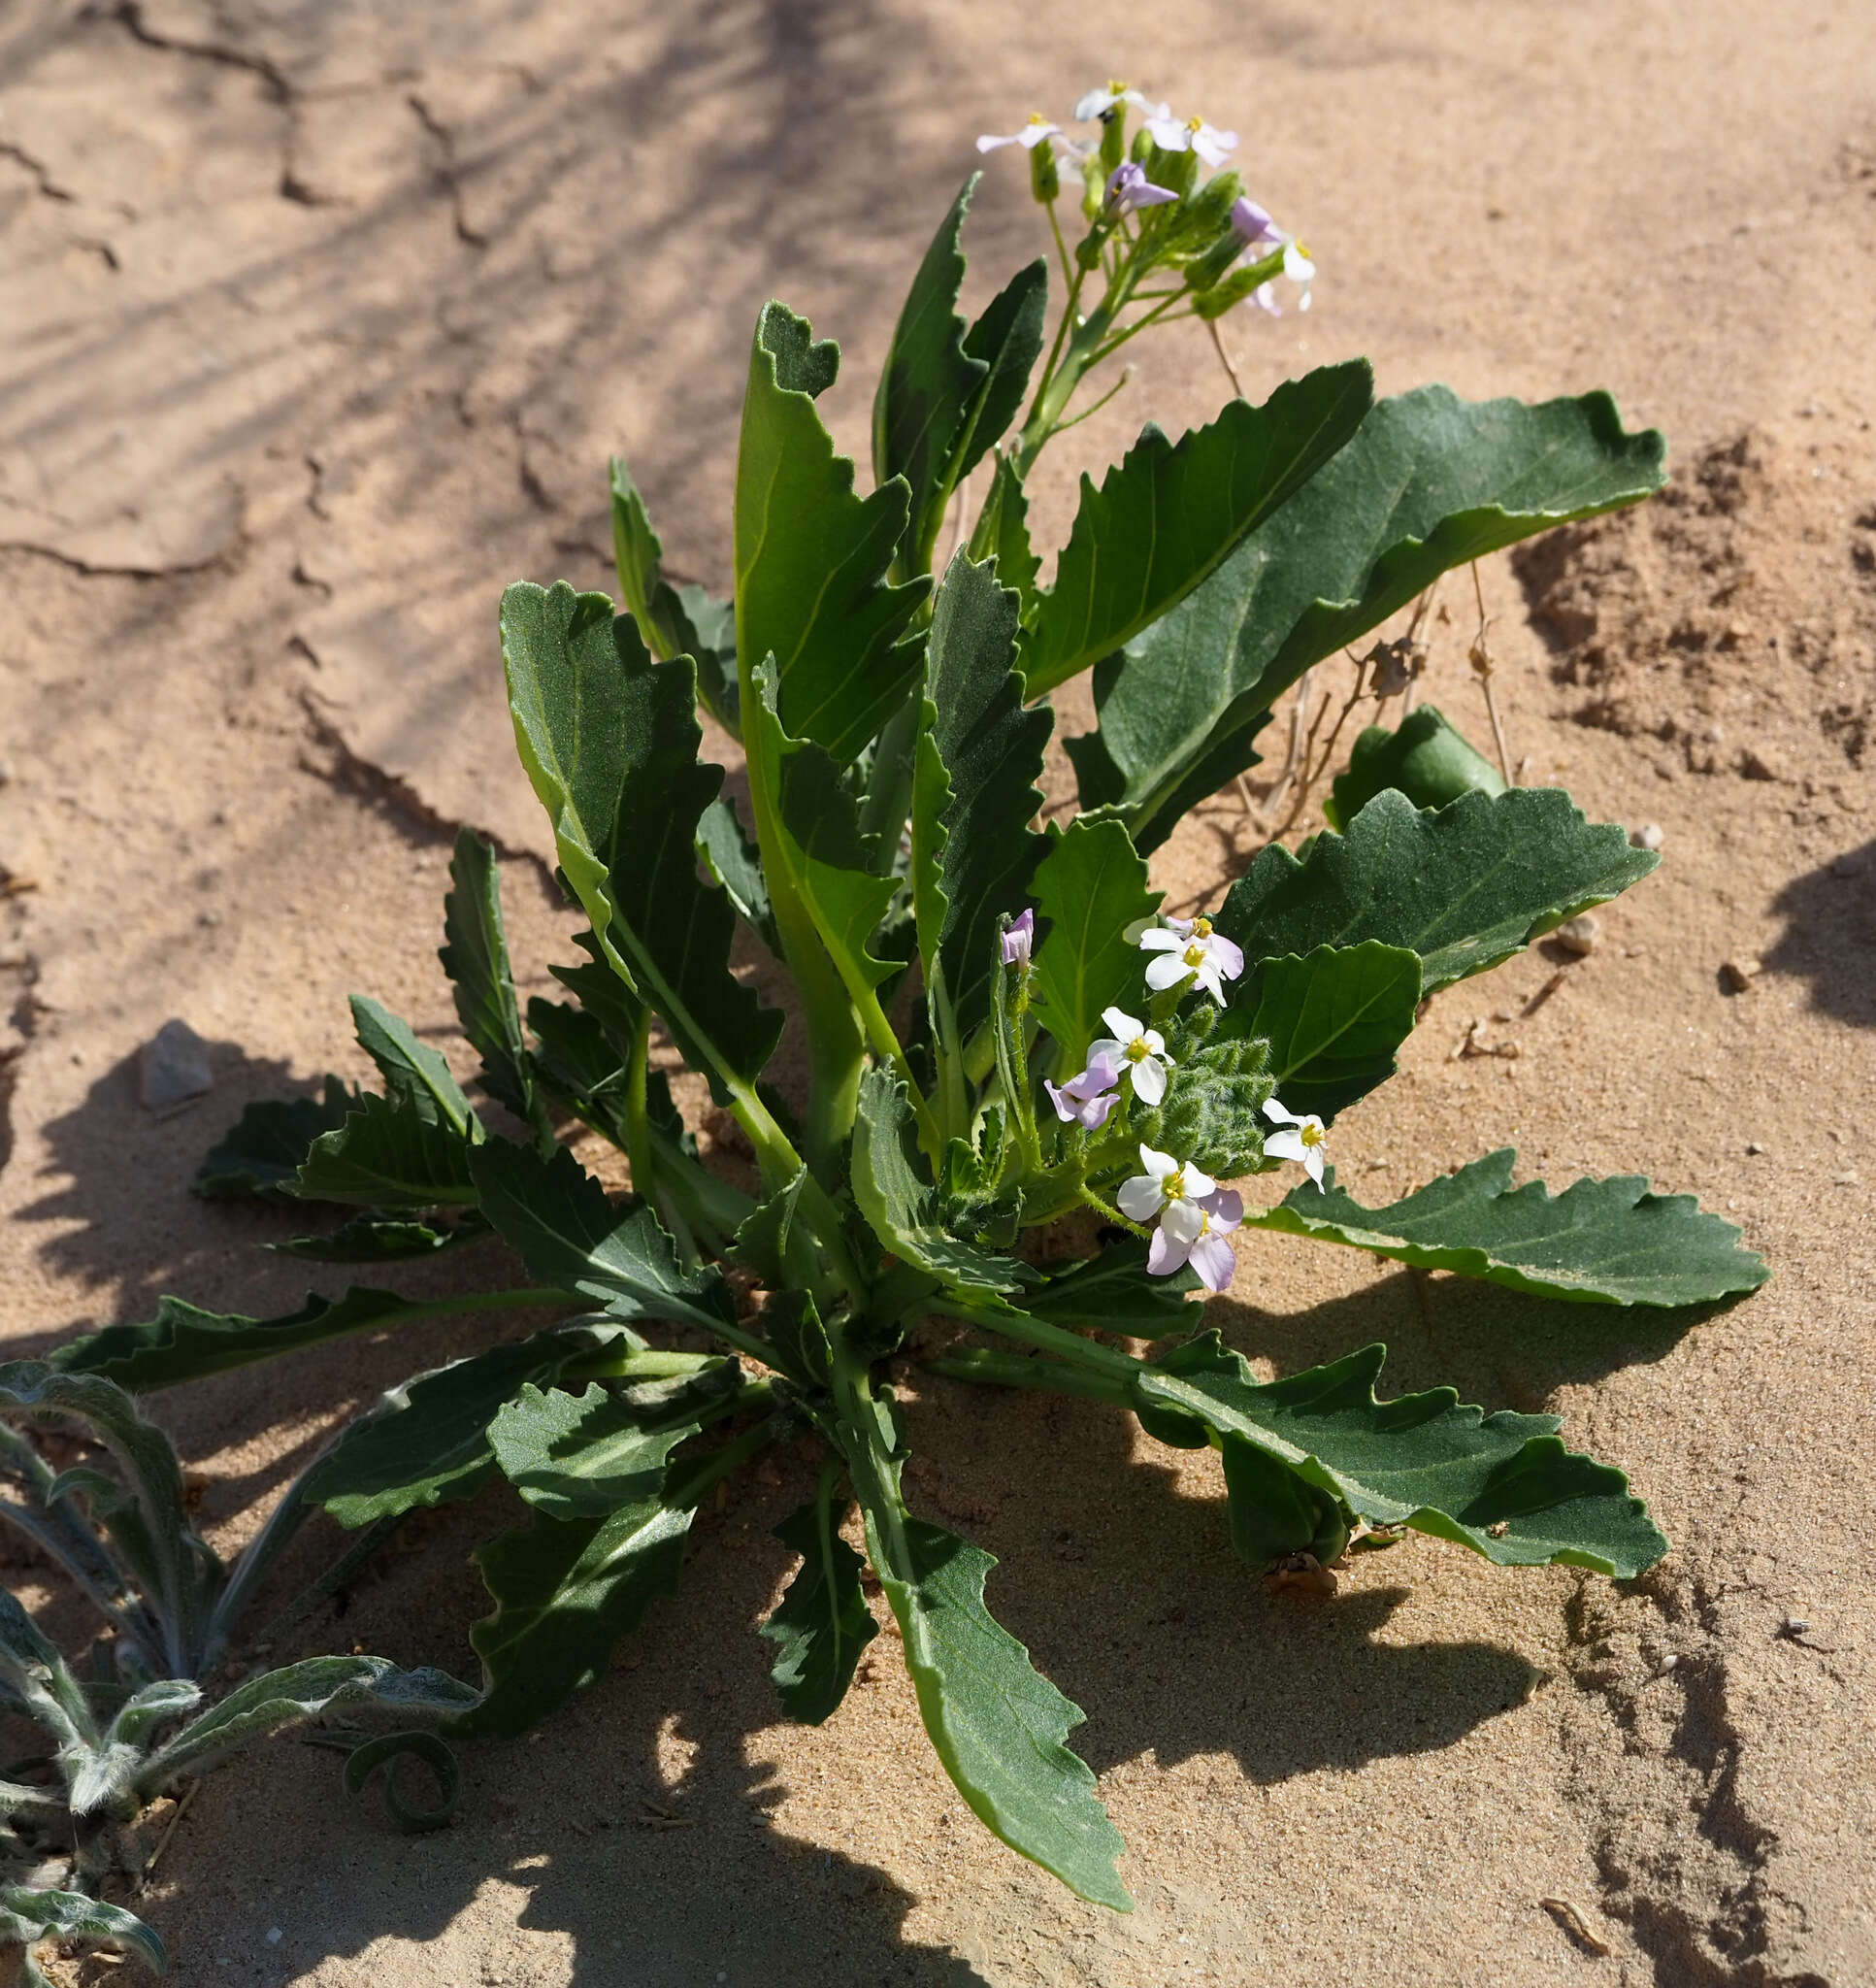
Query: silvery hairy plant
x,y
127,1727
1026,1091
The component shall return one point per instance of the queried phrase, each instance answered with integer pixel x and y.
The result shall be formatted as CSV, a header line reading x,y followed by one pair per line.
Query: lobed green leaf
x,y
1091,889
1334,1019
812,557
1501,1484
1427,483
1598,1243
1464,887
822,1621
1169,513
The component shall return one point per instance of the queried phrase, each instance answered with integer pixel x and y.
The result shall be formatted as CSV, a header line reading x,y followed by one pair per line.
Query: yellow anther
x,y
1195,123
1194,954
1173,1187
1202,928
1313,1134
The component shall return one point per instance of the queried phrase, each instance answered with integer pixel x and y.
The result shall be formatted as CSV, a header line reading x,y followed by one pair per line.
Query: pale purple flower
x,y
1194,1232
1137,1050
1166,1183
1301,1140
1192,134
1086,1099
1097,103
1028,136
1129,187
1253,224
1189,945
1019,939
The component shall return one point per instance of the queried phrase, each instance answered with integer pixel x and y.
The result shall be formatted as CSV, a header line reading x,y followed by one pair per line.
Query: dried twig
x,y
1575,1922
181,1809
1225,358
1479,655
1314,768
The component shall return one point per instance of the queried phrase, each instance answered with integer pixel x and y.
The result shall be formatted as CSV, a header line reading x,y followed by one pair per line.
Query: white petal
x,y
1183,1222
1157,939
1229,955
1312,1162
1155,1042
1166,971
1033,135
1277,1115
988,144
1108,1047
1209,980
1197,1185
1150,1082
1090,107
1123,1025
1182,926
1303,302
1296,266
1169,134
1159,1164
1140,1199
1285,1145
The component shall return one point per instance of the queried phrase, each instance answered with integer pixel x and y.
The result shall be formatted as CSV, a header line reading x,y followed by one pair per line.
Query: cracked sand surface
x,y
322,321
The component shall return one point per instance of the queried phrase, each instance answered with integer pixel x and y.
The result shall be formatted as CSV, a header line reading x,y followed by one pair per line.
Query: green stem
x,y
980,1365
863,1427
1012,1324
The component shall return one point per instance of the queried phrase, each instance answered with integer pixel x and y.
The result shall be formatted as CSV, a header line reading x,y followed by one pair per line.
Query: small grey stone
x,y
1581,935
1739,973
173,1069
1648,835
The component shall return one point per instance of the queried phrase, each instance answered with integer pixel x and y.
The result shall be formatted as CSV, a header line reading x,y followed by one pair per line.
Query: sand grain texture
x,y
321,321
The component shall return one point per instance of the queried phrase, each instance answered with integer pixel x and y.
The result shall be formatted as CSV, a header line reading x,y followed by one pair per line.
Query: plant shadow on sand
x,y
1831,935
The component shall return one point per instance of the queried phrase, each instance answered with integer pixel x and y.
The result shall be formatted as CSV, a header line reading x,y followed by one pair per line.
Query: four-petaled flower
x,y
1301,1138
1129,187
1299,268
1137,1050
1166,1184
1019,937
1192,134
1194,1232
1028,136
1189,945
1086,1099
1099,102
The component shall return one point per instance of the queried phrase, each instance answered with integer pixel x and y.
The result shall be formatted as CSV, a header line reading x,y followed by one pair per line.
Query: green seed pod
x,y
1087,253
1203,271
1094,186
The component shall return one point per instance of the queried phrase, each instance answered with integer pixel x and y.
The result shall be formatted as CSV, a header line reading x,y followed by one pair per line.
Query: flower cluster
x,y
1158,171
1189,1212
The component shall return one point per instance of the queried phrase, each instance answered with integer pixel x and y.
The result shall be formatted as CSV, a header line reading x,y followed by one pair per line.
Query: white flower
x,y
1166,1183
1301,271
1097,103
1302,1142
1028,136
1194,134
1137,1050
1189,945
1194,1232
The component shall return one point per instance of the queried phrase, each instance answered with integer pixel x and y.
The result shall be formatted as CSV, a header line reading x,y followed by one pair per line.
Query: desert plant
x,y
118,1525
1025,1086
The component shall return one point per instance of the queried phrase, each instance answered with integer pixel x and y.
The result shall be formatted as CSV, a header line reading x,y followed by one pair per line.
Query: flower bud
x,y
1087,253
1236,288
1095,170
1176,170
1113,138
1044,180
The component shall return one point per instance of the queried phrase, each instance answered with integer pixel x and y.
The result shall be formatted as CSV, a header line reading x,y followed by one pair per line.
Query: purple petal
x,y
1225,1208
1228,955
1215,1261
1164,1254
1094,1114
1066,1107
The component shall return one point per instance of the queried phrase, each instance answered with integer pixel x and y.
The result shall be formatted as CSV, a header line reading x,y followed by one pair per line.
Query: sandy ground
x,y
321,319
